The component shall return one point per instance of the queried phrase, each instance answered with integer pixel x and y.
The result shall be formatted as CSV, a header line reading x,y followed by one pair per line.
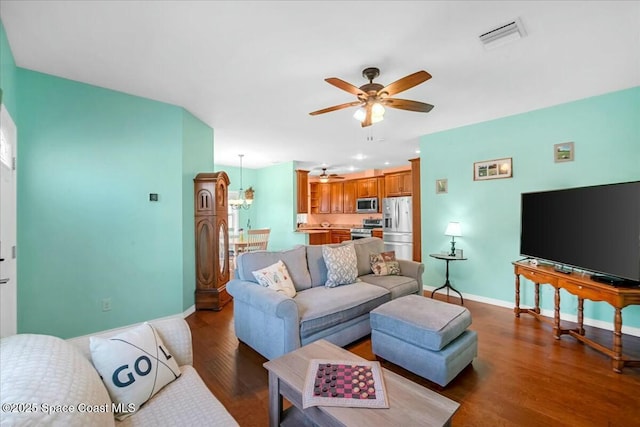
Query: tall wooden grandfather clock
x,y
212,240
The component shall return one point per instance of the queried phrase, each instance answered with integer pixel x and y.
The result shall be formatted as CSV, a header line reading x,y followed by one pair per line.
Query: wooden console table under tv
x,y
583,287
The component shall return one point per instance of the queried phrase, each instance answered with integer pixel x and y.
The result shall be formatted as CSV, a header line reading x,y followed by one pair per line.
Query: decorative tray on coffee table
x,y
344,383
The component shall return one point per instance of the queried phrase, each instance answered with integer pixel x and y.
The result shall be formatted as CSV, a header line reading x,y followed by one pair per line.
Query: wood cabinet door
x,y
406,184
302,180
337,197
339,236
349,197
398,184
392,185
324,195
368,187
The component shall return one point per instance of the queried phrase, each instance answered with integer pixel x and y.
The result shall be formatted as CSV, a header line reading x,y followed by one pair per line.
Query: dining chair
x,y
257,239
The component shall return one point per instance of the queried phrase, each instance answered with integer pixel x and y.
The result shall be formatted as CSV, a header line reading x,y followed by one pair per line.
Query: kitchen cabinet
x,y
349,197
337,197
320,238
320,198
367,187
324,195
339,236
302,181
377,232
398,184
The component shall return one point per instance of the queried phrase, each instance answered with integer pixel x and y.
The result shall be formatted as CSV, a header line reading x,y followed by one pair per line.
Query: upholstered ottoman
x,y
425,336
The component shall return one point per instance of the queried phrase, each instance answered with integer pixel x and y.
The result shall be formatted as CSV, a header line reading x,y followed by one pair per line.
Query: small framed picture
x,y
563,152
493,169
441,186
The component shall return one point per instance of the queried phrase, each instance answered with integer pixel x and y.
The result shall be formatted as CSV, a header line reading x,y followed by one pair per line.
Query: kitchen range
x,y
367,228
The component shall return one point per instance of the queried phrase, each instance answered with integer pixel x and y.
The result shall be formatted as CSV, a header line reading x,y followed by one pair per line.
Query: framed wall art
x,y
441,186
493,169
563,152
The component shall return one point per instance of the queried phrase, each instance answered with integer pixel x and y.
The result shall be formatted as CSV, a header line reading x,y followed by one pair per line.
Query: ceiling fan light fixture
x,y
360,114
324,180
377,109
377,113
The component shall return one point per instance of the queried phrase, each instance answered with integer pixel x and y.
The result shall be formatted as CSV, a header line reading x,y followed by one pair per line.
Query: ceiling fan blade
x,y
341,84
367,118
405,83
405,104
336,107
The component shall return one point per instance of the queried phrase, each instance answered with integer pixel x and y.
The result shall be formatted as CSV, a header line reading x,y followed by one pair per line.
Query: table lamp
x,y
453,230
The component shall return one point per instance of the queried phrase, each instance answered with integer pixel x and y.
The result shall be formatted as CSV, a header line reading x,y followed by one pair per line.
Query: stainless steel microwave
x,y
367,205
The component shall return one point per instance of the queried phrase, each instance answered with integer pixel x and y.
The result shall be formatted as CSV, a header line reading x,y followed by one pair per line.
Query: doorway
x,y
8,256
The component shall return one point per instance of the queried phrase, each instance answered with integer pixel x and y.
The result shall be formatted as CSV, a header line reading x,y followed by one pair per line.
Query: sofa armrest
x,y
412,269
263,299
265,320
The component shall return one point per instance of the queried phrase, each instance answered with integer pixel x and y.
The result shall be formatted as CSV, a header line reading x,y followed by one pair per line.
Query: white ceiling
x,y
254,70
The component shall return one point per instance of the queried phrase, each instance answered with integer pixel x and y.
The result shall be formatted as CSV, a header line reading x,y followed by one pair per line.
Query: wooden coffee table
x,y
409,403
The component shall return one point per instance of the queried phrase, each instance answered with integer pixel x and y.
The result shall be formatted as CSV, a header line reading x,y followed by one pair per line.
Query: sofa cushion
x,y
277,278
316,264
364,249
41,369
320,308
385,264
397,285
341,265
186,402
134,365
295,259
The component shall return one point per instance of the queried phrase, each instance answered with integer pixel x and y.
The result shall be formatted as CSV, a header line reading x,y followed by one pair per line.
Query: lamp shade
x,y
453,229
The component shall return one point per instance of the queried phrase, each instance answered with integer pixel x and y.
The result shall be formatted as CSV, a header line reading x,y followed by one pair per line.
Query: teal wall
x,y
606,133
7,75
249,179
197,156
89,157
274,206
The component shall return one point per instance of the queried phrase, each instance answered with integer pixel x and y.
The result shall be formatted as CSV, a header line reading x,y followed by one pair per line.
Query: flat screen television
x,y
595,228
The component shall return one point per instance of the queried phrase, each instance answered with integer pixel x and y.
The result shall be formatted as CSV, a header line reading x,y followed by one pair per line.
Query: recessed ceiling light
x,y
359,156
418,151
386,163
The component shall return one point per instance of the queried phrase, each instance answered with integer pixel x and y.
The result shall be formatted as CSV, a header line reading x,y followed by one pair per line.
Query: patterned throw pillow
x,y
342,265
276,277
133,365
385,264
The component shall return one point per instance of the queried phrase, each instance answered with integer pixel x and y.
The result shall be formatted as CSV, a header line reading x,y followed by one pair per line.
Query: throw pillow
x,y
133,365
342,265
385,264
276,277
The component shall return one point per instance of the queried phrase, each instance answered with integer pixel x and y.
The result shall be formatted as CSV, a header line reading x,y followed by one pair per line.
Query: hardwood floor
x,y
521,377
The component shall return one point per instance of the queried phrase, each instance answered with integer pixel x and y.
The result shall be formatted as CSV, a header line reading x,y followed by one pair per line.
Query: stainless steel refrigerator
x,y
397,231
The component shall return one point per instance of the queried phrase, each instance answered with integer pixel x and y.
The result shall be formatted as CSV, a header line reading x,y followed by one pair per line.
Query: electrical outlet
x,y
106,304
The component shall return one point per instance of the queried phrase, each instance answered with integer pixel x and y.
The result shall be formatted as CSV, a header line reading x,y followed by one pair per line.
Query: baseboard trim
x,y
629,330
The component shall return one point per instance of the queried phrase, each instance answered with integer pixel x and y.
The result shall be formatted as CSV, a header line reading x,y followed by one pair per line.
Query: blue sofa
x,y
274,324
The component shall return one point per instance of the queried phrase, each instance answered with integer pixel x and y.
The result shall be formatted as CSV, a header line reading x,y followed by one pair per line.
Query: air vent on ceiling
x,y
503,34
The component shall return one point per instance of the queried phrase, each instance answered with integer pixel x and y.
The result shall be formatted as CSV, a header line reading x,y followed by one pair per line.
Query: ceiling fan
x,y
373,97
325,177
